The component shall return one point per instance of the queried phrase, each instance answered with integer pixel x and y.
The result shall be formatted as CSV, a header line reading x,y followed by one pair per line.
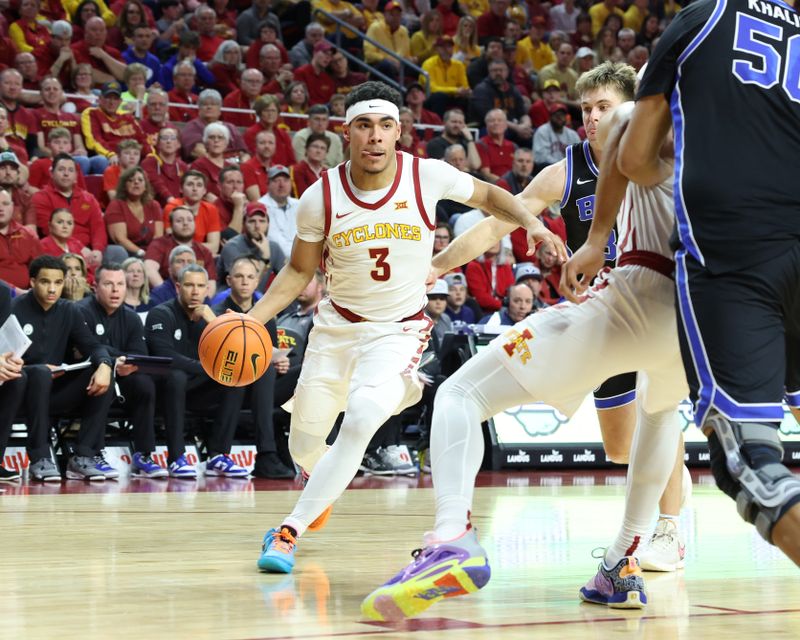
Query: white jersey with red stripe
x,y
646,219
378,244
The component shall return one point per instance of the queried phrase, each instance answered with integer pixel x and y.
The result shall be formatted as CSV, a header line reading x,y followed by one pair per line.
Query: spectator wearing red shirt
x,y
215,140
450,17
182,231
255,169
207,226
497,153
27,34
521,173
164,167
547,261
488,277
319,83
57,60
183,78
21,122
492,23
133,217
104,128
61,241
267,109
156,114
307,171
344,79
25,63
415,98
231,201
106,61
268,34
18,246
540,110
210,112
205,19
9,180
227,67
10,142
50,117
409,140
58,141
244,98
277,73
64,193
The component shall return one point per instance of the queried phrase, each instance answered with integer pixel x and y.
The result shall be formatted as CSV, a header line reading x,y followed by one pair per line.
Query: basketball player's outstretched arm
x,y
639,157
290,282
547,187
611,185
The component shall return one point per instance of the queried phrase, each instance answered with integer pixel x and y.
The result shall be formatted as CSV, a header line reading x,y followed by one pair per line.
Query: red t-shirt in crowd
x,y
140,232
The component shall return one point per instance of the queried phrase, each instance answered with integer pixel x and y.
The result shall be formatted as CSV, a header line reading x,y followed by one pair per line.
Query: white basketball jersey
x,y
647,218
378,255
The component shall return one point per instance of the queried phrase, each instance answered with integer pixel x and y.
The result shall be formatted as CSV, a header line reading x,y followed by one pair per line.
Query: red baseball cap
x,y
255,208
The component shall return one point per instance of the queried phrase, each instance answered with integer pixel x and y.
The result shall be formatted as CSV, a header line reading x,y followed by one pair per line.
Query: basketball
x,y
235,350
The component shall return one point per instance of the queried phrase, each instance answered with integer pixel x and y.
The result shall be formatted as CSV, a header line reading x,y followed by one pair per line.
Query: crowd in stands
x,y
161,134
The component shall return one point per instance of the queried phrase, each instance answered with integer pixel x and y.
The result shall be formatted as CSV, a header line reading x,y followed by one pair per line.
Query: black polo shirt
x,y
55,333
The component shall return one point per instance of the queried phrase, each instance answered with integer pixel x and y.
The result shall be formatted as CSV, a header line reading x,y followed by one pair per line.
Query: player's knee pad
x,y
746,460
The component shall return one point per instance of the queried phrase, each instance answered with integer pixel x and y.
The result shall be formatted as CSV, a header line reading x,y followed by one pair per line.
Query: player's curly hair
x,y
373,90
617,75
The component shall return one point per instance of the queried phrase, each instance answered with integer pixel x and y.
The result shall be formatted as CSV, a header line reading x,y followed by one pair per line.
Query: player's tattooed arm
x,y
640,158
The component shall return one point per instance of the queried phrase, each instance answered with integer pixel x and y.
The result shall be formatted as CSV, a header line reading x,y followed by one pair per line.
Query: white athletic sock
x,y
665,516
481,388
363,417
652,459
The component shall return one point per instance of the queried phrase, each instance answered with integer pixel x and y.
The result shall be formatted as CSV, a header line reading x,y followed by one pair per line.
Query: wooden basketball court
x,y
176,559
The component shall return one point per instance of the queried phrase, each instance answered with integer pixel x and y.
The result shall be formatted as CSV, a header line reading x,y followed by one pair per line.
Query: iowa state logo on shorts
x,y
518,344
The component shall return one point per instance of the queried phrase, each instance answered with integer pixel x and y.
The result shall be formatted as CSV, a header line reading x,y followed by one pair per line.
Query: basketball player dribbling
x,y
371,222
554,356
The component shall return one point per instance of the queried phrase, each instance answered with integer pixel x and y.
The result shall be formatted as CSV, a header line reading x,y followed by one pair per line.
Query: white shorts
x,y
628,323
344,356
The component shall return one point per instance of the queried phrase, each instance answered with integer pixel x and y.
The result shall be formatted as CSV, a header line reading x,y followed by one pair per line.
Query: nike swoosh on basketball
x,y
343,215
585,181
254,362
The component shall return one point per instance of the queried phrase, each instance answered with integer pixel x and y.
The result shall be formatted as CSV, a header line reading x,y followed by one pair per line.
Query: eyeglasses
x,y
440,237
168,138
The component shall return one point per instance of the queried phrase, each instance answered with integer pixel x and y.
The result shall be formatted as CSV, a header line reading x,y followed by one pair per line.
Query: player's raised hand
x,y
579,270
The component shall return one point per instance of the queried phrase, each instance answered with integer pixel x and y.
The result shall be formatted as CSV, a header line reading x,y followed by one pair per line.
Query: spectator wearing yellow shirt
x,y
562,71
423,42
71,7
345,11
466,40
369,9
392,35
634,17
448,78
532,53
474,8
601,11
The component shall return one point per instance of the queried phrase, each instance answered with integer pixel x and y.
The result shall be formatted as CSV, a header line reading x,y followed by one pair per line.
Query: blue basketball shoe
x,y
621,587
439,570
277,551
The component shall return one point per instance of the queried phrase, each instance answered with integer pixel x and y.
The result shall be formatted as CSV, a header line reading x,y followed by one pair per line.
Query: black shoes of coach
x,y
269,465
7,474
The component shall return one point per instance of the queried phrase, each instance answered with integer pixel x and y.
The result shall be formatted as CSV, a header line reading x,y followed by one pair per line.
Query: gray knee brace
x,y
762,494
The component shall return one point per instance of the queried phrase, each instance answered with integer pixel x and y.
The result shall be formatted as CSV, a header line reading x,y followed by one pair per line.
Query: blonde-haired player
x,y
371,222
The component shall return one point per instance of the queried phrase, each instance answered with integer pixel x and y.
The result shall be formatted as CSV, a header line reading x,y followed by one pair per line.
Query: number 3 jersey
x,y
730,70
378,244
